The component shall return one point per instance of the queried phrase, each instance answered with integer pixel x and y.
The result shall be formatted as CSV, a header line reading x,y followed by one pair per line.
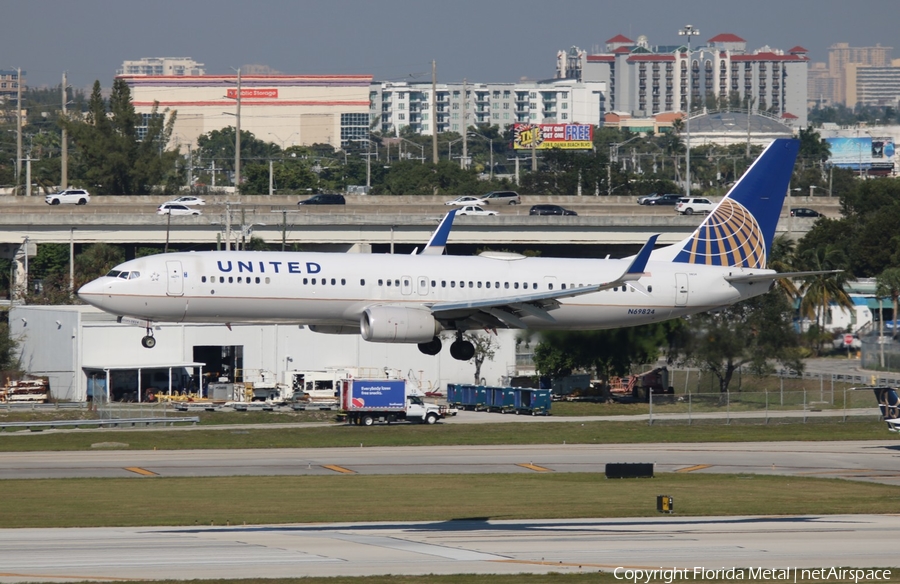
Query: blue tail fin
x,y
740,229
890,406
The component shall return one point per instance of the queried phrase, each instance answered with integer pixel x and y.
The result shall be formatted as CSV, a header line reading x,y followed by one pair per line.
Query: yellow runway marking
x,y
141,471
337,468
693,468
534,467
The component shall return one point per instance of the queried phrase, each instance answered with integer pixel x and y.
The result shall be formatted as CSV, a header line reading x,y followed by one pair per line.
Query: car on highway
x,y
691,205
176,209
324,199
804,212
659,199
502,198
188,200
474,210
466,200
71,196
550,210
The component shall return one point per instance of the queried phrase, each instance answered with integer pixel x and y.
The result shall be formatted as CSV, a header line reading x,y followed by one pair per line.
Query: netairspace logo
x,y
670,575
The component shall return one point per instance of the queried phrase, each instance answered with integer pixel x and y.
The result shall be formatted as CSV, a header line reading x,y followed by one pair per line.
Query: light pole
x,y
282,141
450,148
490,145
421,148
688,31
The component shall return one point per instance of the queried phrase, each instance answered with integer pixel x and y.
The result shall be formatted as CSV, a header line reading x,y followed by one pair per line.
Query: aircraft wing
x,y
771,276
510,310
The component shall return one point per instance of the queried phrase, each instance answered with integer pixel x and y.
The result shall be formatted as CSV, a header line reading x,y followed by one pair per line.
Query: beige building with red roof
x,y
645,80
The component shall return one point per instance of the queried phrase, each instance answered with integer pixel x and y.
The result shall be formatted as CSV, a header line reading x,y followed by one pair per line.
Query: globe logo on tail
x,y
730,236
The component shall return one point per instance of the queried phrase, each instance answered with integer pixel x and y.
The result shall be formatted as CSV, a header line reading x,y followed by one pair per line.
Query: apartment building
x,y
398,105
645,80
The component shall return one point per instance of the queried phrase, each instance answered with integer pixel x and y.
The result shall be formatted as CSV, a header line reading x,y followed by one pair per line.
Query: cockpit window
x,y
123,275
113,274
134,275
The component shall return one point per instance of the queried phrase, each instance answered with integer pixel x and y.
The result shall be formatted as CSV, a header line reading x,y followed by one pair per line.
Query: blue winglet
x,y
639,263
438,240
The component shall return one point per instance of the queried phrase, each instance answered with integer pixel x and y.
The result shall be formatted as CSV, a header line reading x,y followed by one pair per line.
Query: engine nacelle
x,y
398,324
334,329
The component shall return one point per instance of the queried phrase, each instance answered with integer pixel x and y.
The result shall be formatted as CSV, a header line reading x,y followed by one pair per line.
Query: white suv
x,y
691,205
73,196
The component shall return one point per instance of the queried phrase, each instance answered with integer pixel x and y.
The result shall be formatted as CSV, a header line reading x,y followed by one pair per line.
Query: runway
x,y
454,547
464,546
874,461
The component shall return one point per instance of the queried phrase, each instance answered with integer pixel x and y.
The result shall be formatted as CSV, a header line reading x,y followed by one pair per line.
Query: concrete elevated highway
x,y
363,222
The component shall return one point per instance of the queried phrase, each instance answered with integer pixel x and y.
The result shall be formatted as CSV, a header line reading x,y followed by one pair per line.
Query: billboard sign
x,y
871,154
546,136
252,92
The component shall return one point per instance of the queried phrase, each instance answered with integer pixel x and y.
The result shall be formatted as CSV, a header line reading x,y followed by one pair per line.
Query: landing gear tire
x,y
432,347
462,350
148,342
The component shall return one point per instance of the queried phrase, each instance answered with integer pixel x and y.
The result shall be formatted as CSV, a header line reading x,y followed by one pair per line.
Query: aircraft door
x,y
174,279
681,289
422,286
405,285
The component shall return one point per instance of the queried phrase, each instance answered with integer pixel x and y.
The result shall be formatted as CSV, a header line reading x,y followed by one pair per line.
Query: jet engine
x,y
398,324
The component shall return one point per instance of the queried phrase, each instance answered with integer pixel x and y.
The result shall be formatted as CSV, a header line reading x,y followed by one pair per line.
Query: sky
x,y
395,40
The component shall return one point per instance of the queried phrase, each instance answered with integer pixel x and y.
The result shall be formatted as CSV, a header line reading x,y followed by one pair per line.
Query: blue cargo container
x,y
501,399
454,394
532,401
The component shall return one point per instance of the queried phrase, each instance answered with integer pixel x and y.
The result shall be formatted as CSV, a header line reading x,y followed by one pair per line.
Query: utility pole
x,y
64,164
237,140
18,125
463,163
270,178
689,31
434,122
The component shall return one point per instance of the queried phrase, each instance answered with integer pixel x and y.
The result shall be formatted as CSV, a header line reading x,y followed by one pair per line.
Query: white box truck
x,y
366,401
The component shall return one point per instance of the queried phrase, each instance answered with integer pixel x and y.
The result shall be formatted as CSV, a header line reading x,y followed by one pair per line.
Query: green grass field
x,y
339,435
297,499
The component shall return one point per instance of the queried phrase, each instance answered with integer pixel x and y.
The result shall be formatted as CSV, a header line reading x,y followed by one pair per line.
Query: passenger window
x,y
443,283
381,282
649,288
239,279
534,285
470,284
550,286
203,279
388,282
257,279
453,283
406,282
506,284
496,284
362,282
343,282
333,281
313,281
267,280
516,285
396,282
479,284
487,284
563,286
433,283
305,281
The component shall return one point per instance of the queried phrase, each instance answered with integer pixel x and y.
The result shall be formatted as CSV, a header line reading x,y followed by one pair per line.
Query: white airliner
x,y
413,298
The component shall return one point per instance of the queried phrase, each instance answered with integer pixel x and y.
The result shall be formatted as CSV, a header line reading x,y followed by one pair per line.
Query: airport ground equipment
x,y
366,401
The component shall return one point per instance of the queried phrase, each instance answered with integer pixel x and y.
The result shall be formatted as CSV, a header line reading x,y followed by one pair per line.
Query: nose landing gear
x,y
432,347
148,341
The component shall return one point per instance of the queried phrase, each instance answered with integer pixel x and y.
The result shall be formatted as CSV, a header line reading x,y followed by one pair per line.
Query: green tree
x,y
887,285
754,332
485,349
820,291
606,352
111,157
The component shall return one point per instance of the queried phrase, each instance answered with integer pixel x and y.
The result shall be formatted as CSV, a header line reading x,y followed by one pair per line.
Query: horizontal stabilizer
x,y
771,276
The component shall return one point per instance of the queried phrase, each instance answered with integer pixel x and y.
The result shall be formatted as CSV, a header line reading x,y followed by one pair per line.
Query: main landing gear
x,y
148,341
460,349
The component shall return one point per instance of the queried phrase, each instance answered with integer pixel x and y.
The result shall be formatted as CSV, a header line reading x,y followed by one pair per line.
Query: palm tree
x,y
821,290
887,285
781,259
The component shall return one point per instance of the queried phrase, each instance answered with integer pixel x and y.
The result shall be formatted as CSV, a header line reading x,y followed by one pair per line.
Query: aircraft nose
x,y
93,293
